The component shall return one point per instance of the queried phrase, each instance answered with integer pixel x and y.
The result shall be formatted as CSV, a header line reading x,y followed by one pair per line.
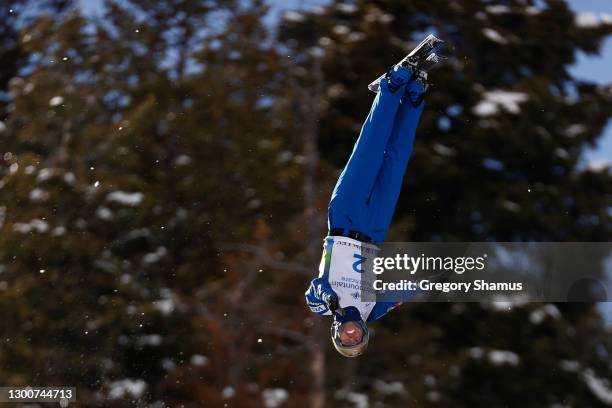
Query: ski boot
x,y
422,58
397,77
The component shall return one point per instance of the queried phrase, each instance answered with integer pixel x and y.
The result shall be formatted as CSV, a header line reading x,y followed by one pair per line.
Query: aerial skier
x,y
364,198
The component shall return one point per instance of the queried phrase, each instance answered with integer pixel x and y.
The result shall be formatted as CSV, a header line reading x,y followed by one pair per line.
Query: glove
x,y
318,294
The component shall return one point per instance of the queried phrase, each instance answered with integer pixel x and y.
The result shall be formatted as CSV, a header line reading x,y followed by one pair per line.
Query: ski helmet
x,y
349,314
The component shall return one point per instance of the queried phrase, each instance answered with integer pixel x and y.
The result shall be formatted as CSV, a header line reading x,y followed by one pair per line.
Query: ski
x,y
420,59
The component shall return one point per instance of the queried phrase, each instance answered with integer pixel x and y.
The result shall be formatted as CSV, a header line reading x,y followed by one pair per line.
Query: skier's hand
x,y
321,298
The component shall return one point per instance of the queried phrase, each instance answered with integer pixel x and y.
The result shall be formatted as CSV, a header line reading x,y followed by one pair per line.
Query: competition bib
x,y
343,265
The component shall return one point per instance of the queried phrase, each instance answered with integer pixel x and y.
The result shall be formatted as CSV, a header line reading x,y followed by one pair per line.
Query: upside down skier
x,y
364,198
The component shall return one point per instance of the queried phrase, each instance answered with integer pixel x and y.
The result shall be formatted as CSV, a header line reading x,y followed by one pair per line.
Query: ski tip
x,y
433,38
374,86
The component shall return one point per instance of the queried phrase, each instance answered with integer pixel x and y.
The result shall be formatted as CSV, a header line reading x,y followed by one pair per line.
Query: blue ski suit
x,y
366,194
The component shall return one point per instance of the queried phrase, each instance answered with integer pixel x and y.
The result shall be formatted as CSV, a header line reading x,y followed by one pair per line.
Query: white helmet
x,y
341,318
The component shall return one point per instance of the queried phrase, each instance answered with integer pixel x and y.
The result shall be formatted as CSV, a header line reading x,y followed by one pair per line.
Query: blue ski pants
x,y
367,190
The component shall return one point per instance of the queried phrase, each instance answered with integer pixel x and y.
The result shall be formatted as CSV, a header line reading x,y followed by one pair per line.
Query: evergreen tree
x,y
115,224
13,15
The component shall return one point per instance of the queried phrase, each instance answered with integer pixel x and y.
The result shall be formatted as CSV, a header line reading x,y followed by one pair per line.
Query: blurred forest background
x,y
164,177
